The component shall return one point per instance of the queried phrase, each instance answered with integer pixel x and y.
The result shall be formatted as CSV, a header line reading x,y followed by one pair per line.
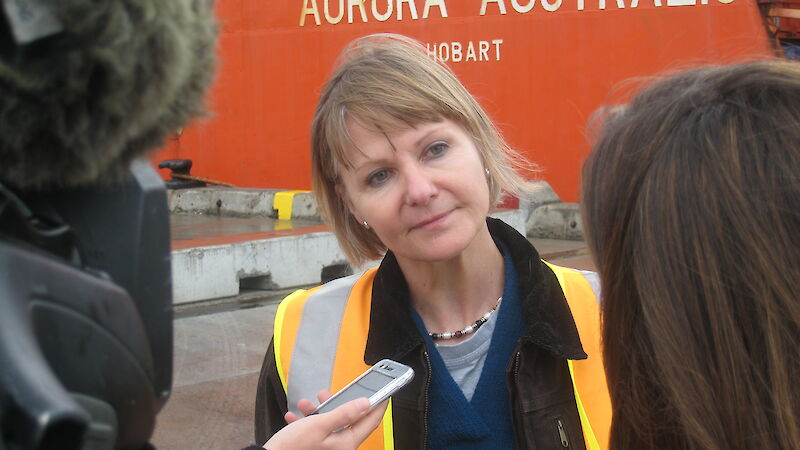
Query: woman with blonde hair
x,y
691,201
406,168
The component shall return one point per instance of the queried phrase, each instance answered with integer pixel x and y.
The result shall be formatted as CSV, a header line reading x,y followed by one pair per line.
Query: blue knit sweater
x,y
485,422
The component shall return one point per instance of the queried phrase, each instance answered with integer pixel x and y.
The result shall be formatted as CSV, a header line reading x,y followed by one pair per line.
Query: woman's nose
x,y
420,187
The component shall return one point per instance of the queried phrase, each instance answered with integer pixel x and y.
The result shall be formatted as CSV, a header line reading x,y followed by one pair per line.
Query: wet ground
x,y
187,227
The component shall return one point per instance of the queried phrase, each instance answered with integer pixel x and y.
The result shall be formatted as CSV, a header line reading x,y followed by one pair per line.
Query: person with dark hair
x,y
691,203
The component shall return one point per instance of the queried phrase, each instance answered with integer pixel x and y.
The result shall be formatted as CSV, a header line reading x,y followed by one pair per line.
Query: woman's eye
x,y
437,149
378,177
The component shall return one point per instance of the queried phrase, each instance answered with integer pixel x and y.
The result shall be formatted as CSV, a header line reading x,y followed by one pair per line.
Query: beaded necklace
x,y
469,329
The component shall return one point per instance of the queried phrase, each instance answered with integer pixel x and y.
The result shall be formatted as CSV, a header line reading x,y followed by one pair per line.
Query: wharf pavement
x,y
220,343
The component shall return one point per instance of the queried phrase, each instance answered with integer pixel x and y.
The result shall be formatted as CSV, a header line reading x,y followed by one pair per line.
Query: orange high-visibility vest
x,y
311,326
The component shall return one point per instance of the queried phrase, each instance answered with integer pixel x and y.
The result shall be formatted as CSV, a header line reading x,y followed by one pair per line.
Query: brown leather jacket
x,y
538,378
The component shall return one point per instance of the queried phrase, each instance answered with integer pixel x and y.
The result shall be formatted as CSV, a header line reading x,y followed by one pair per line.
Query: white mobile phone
x,y
378,383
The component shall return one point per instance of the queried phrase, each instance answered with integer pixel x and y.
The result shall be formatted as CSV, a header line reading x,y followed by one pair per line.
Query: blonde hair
x,y
382,80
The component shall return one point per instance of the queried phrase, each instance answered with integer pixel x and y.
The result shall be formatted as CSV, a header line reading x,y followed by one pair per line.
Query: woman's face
x,y
421,189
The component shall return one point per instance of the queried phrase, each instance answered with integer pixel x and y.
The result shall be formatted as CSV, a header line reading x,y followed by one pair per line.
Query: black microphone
x,y
86,86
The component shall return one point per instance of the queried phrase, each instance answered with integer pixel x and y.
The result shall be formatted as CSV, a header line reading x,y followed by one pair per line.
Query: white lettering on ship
x,y
333,11
465,52
381,10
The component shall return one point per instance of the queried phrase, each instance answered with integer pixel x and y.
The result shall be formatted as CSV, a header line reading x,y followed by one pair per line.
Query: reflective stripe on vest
x,y
310,326
588,375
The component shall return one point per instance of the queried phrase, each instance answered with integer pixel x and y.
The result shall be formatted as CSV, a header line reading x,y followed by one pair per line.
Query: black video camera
x,y
85,314
87,89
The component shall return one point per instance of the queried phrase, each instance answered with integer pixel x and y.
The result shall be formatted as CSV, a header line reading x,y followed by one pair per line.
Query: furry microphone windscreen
x,y
88,85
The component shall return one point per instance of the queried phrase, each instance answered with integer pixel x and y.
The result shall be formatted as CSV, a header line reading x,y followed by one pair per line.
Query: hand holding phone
x,y
344,428
340,422
377,384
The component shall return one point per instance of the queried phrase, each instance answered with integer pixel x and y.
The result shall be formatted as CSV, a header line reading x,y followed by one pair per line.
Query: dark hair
x,y
691,199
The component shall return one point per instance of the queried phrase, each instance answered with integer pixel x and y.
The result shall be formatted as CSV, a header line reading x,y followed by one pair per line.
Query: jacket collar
x,y
548,320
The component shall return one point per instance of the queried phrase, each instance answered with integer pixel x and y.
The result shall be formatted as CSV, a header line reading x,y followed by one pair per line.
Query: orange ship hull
x,y
539,67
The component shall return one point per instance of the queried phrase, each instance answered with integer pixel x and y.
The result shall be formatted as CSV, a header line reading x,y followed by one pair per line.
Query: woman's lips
x,y
431,222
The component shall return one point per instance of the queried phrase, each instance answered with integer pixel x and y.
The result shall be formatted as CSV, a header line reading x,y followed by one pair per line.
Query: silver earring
x,y
366,225
486,169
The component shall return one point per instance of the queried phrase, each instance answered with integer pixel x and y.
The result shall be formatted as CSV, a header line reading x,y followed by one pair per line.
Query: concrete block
x,y
542,194
245,202
204,273
556,221
222,201
289,261
238,202
188,201
305,207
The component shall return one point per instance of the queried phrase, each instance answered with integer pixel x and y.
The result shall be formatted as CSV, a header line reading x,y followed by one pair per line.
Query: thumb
x,y
346,414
